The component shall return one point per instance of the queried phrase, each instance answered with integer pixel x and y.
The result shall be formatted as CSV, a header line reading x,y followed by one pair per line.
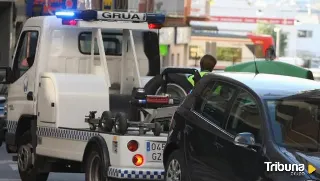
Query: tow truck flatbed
x,y
132,131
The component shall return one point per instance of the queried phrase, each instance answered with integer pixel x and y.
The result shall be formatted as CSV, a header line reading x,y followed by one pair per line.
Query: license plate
x,y
154,151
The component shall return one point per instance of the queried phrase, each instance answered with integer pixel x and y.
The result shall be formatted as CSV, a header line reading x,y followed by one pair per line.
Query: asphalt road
x,y
8,170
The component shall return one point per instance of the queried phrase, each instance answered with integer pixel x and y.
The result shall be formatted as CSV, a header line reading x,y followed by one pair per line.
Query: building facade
x,y
241,17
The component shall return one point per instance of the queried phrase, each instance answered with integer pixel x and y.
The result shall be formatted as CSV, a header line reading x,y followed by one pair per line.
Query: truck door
x,y
20,93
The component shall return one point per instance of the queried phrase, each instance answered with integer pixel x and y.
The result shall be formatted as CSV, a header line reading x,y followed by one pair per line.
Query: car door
x,y
24,72
245,116
207,117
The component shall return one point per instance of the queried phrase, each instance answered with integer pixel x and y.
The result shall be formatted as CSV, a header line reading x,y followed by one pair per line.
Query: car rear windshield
x,y
295,122
112,43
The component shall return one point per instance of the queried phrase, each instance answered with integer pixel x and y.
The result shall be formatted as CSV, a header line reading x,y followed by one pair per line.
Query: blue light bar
x,y
65,14
88,15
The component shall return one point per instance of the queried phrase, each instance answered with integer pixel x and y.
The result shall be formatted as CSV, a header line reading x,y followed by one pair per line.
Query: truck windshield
x,y
295,122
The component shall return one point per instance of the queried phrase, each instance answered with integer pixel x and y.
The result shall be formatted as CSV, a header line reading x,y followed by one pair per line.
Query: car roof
x,y
270,85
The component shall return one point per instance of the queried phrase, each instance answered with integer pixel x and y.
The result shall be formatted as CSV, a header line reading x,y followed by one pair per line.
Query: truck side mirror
x,y
5,75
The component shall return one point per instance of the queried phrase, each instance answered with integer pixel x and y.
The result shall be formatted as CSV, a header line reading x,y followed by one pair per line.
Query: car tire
x,y
93,166
175,158
29,162
178,80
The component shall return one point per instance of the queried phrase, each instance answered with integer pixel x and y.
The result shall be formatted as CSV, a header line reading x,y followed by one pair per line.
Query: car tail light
x,y
133,145
69,22
137,160
154,26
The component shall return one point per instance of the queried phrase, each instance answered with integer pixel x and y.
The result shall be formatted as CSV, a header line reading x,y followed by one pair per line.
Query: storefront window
x,y
229,54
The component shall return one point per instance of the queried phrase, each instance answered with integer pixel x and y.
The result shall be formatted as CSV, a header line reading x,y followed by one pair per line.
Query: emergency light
x,y
153,19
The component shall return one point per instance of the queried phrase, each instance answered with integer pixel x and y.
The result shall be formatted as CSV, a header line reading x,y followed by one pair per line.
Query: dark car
x,y
242,126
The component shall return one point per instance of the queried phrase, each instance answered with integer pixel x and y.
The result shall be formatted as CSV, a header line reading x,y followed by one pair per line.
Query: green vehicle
x,y
271,67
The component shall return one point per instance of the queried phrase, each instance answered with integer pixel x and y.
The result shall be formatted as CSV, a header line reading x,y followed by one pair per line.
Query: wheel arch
x,y
27,122
169,149
99,142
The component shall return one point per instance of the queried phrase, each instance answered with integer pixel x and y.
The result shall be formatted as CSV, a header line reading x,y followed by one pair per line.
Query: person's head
x,y
207,63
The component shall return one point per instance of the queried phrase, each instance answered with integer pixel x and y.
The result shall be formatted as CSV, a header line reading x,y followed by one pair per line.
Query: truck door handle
x,y
11,107
30,96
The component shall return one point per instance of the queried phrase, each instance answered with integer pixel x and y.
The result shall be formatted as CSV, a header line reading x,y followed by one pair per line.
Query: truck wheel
x,y
178,85
106,121
175,168
157,129
28,163
93,168
121,124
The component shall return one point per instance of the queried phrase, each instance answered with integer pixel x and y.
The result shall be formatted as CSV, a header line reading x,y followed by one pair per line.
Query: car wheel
x,y
175,168
93,167
28,163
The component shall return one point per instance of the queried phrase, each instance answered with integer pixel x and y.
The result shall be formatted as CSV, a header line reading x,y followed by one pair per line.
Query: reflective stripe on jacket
x,y
190,78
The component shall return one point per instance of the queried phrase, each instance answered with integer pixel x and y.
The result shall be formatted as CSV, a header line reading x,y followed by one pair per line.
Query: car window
x,y
215,98
296,122
245,116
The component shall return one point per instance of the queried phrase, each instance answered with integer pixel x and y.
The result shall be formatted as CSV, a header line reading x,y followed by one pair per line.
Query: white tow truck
x,y
74,64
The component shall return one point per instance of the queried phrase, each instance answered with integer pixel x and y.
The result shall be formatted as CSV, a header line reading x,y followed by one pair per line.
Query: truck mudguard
x,y
102,145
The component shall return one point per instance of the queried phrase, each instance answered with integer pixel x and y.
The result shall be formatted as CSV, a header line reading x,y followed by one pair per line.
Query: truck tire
x,y
176,81
121,123
93,167
157,129
28,161
106,121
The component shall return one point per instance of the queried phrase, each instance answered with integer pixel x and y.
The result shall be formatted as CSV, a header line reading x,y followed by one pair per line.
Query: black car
x,y
243,126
